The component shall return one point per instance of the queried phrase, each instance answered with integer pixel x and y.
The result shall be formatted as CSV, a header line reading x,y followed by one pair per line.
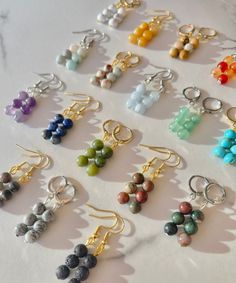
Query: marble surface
x,y
32,33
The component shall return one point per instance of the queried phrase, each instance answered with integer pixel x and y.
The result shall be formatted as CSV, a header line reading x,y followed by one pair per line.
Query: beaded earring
x,y
114,14
188,217
145,32
85,256
11,181
59,126
190,116
96,156
110,73
226,148
60,192
23,105
141,185
225,70
187,41
72,57
148,92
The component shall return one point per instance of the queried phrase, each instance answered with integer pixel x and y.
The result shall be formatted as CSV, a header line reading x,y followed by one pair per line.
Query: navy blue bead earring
x,y
59,126
85,256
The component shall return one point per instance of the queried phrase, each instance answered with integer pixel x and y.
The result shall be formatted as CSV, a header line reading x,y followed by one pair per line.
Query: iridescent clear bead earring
x,y
149,92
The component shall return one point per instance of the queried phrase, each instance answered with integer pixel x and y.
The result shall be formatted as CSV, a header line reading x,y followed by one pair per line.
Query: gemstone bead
x,y
61,131
40,226
92,169
59,118
97,144
178,218
46,134
26,109
72,261
233,149
82,273
6,177
62,272
225,143
67,123
148,185
55,139
184,239
190,227
229,158
23,95
100,161
6,195
60,59
141,196
90,153
107,152
52,126
138,178
17,103
170,228
123,197
48,215
230,134
14,186
71,65
82,160
197,216
185,207
135,207
219,151
223,66
130,188
73,280
30,219
222,79
31,101
90,261
81,250
21,229
31,236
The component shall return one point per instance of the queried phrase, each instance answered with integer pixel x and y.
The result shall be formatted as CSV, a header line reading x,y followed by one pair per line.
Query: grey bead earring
x,y
60,192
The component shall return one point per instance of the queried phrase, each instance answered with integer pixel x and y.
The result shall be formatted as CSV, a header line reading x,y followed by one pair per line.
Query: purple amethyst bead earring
x,y
23,105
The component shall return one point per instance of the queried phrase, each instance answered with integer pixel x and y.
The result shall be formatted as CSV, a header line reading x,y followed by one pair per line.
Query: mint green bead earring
x,y
101,150
190,116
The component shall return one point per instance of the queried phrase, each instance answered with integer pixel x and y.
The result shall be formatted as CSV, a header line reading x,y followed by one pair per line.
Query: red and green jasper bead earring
x,y
136,192
96,156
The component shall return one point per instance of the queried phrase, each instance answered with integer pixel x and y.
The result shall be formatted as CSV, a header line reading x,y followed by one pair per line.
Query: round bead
x,y
71,65
107,12
48,215
61,131
6,177
82,160
100,161
31,236
230,134
117,72
72,261
107,152
113,23
136,96
73,48
183,134
216,73
82,273
95,81
14,186
147,34
101,18
233,67
194,41
144,26
26,109
31,101
130,188
131,103
60,59
174,52
62,272
133,38
197,216
233,149
219,151
222,79
185,207
17,103
179,45
6,195
122,11
141,196
225,143
106,83
81,250
148,185
82,52
107,68
101,74
142,41
52,126
76,58
184,239
21,229
188,47
112,8
90,153
123,197
55,139
178,218
229,158
223,66
184,54
67,123
46,134
23,95
30,219
147,101
229,59
135,207
229,73
67,54
154,29
97,144
138,32
19,117
184,39
40,226
154,95
170,228
138,178
111,77
140,108
90,261
73,280
92,170
190,227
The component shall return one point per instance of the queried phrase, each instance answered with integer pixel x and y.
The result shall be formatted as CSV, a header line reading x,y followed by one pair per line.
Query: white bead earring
x,y
149,91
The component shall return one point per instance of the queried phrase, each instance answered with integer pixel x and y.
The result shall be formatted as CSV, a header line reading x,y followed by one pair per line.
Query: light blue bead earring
x,y
226,148
72,57
149,91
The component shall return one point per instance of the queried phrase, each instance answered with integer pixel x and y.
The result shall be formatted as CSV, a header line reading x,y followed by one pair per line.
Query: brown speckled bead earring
x,y
136,192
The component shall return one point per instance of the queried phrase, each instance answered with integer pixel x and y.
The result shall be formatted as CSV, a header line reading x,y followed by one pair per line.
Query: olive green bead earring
x,y
96,156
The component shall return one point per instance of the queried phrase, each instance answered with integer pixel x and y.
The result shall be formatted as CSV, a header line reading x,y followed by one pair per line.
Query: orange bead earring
x,y
144,33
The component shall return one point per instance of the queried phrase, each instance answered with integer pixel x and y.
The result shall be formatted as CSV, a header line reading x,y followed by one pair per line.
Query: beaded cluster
x,y
225,70
112,16
35,223
186,219
136,192
226,148
79,262
7,187
95,157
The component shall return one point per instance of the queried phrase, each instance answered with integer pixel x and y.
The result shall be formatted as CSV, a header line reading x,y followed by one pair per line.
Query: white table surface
x,y
32,33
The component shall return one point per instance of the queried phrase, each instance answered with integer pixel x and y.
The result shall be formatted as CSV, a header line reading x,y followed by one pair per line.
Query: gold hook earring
x,y
136,192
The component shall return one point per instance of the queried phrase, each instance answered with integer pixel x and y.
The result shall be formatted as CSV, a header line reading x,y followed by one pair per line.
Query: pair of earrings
x,y
225,70
189,40
226,148
60,192
149,91
61,123
115,134
111,72
146,31
114,14
85,255
188,217
72,57
190,116
23,105
136,192
11,181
